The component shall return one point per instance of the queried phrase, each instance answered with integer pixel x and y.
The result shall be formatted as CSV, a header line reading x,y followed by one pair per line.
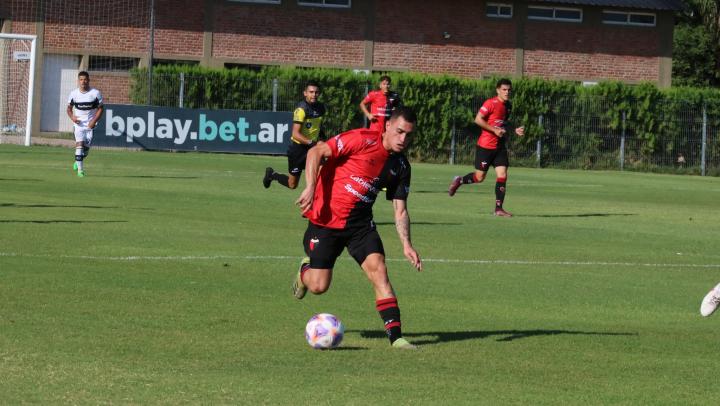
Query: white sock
x,y
79,153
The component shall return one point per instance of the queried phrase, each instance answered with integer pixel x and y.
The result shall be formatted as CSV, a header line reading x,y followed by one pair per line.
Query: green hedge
x,y
446,107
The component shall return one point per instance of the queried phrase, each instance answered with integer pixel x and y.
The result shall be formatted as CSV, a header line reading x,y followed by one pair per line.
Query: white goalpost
x,y
17,77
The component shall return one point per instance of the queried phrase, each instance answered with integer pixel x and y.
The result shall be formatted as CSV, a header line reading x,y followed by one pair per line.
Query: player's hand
x,y
413,257
91,125
500,132
372,119
305,200
76,120
520,131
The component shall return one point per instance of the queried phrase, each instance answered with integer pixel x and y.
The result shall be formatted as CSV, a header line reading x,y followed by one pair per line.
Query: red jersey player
x,y
491,147
382,102
344,177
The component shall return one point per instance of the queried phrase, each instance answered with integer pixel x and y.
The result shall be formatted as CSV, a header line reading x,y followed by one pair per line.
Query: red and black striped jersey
x,y
351,178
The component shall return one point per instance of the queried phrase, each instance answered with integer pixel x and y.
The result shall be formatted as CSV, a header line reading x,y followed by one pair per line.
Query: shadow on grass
x,y
341,348
55,206
505,335
577,215
63,221
19,180
146,176
418,223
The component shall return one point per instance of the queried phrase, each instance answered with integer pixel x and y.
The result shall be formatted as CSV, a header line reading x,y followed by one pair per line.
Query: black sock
x,y
390,313
499,192
280,178
469,178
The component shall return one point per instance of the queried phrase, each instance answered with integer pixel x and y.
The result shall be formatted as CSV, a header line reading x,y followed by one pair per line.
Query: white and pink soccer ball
x,y
324,331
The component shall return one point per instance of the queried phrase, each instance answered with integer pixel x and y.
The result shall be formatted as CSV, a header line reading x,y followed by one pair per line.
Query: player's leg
x,y
322,246
367,249
501,164
482,164
79,151
710,301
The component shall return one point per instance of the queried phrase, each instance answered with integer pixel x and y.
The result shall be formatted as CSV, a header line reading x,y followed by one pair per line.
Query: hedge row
x,y
447,105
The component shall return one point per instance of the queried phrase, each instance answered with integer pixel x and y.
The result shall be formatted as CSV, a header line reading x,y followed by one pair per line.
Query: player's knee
x,y
318,287
292,182
480,176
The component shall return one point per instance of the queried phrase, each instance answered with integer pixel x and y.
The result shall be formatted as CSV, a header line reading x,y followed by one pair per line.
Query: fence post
x,y
367,90
704,140
275,94
538,147
452,134
181,96
622,143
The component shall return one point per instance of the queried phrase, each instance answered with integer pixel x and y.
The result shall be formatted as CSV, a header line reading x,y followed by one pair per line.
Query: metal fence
x,y
575,132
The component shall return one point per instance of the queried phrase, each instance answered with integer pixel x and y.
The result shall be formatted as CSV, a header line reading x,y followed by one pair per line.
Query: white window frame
x,y
257,1
627,18
499,5
554,18
306,4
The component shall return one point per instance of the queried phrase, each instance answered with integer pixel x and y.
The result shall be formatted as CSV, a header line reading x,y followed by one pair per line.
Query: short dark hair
x,y
84,73
503,81
312,83
384,78
406,113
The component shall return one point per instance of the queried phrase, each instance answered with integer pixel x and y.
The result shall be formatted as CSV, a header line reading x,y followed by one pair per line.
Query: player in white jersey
x,y
85,106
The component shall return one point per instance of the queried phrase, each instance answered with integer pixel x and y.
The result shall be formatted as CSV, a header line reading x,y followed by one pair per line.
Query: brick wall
x,y
277,35
409,35
115,87
575,51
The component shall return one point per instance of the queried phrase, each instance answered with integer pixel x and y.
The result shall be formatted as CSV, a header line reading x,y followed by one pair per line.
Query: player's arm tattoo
x,y
402,221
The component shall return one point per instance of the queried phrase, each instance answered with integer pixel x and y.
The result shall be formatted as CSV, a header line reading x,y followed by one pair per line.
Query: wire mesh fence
x,y
574,132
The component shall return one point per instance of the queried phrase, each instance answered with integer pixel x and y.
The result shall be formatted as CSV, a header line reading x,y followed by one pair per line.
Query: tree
x,y
696,44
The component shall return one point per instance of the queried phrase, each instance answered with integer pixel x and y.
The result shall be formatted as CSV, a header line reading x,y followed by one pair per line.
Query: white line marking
x,y
426,260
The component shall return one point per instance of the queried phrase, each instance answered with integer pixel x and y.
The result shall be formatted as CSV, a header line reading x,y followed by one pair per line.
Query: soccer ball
x,y
324,331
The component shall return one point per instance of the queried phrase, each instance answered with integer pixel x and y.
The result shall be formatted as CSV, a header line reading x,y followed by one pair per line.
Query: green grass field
x,y
164,278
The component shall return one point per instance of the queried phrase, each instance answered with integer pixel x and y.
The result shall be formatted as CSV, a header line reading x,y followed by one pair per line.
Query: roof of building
x,y
670,5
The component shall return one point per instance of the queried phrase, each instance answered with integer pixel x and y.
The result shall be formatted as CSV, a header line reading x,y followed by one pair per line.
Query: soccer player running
x,y
338,201
491,147
306,132
382,102
85,107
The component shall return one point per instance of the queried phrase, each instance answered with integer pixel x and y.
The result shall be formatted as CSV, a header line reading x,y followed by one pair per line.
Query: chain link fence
x,y
574,133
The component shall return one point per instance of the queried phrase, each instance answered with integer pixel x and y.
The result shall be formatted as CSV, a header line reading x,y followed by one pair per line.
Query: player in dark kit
x,y
306,132
338,201
382,103
491,147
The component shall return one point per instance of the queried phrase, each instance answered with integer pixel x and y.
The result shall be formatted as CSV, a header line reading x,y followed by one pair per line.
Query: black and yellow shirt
x,y
310,117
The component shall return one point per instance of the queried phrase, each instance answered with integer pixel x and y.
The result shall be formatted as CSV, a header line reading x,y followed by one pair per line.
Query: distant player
x,y
85,107
338,201
710,301
382,102
491,147
306,132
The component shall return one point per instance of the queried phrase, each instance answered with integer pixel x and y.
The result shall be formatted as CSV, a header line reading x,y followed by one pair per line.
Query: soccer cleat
x,y
502,213
267,180
299,289
81,174
454,185
710,301
404,344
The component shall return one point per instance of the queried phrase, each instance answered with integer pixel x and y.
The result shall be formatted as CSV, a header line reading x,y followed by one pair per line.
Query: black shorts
x,y
495,157
297,154
324,245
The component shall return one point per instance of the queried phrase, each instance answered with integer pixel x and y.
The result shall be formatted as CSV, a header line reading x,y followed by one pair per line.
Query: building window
x,y
628,18
555,14
166,62
257,1
111,63
325,3
499,10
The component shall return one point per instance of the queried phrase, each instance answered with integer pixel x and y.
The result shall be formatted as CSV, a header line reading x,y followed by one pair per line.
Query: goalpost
x,y
17,76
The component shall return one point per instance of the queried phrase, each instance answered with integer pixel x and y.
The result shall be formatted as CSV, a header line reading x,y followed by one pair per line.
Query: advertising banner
x,y
170,128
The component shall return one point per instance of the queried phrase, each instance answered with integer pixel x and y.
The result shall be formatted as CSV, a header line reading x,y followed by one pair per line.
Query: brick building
x,y
583,40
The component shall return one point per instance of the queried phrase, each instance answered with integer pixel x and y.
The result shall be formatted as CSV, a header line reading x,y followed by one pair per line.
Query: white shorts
x,y
84,135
